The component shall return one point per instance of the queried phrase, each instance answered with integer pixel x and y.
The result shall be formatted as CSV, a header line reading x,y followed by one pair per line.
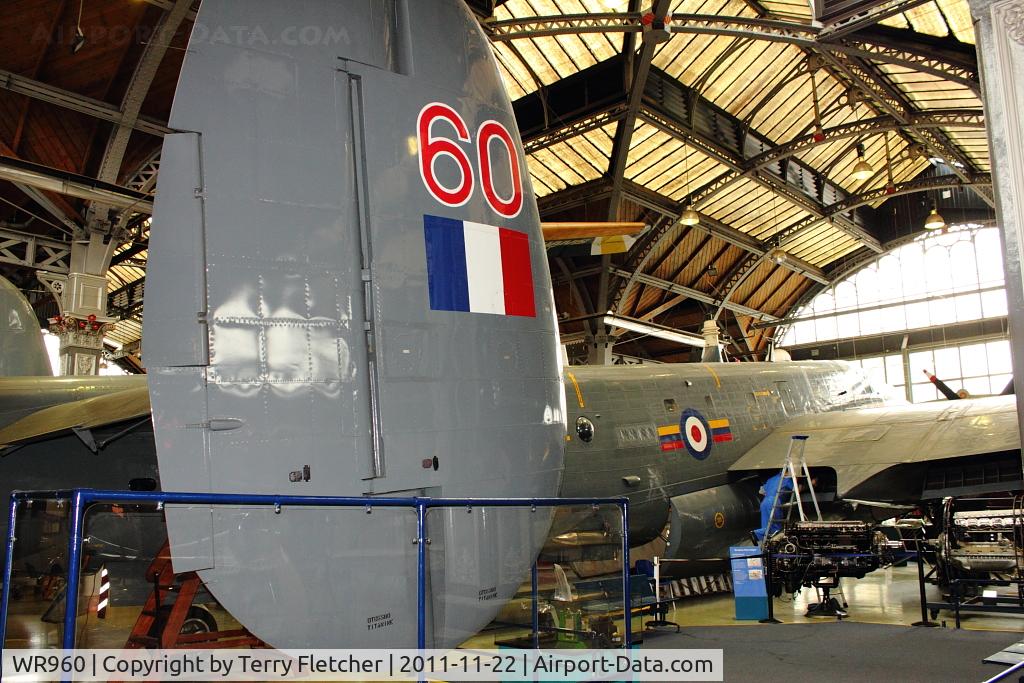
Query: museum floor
x,y
873,640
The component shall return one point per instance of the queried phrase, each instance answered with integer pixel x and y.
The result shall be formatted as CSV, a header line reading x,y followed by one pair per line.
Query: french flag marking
x,y
478,268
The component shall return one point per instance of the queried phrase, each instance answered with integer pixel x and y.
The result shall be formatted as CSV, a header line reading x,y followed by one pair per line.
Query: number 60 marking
x,y
431,147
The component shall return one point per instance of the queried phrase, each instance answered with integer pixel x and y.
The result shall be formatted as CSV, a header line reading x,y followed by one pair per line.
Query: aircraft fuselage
x,y
661,431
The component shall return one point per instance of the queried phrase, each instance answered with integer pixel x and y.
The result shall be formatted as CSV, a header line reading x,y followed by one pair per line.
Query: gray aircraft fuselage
x,y
628,405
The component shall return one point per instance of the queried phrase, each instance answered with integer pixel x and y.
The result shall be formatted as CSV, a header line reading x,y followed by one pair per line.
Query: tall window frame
x,y
930,281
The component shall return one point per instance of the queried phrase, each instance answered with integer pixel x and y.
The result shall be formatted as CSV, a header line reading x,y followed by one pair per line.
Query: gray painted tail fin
x,y
22,351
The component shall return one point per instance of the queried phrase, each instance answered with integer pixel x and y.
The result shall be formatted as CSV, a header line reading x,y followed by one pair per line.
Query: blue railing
x,y
82,498
1016,668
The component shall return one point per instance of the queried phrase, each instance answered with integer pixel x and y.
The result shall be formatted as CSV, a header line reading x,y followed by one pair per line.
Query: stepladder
x,y
793,480
794,469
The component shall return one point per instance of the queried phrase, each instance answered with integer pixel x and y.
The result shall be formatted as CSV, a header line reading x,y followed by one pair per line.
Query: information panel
x,y
748,582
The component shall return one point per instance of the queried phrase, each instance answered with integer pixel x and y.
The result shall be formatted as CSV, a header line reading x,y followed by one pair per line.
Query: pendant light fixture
x,y
688,216
862,170
934,221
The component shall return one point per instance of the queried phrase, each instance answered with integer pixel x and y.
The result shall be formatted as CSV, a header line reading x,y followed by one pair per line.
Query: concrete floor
x,y
888,597
845,651
802,648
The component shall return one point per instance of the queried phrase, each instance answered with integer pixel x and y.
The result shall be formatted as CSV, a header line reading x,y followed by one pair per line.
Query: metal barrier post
x,y
74,569
81,498
421,574
5,601
627,602
955,588
536,607
769,588
925,621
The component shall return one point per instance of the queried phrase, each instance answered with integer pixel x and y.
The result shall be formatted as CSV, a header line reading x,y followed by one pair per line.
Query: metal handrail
x,y
1013,669
81,498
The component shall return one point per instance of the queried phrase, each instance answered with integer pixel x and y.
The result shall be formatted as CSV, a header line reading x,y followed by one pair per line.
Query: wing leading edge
x,y
861,443
88,413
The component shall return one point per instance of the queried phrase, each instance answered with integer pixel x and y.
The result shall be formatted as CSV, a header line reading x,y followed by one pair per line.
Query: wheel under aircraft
x,y
347,278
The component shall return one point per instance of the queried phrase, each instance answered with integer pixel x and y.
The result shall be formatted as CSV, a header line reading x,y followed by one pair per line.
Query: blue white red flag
x,y
478,268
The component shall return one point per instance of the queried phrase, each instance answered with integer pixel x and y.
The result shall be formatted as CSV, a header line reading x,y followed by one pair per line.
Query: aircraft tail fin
x,y
24,353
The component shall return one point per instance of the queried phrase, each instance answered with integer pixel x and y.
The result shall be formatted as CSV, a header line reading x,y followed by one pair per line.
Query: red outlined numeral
x,y
430,148
490,130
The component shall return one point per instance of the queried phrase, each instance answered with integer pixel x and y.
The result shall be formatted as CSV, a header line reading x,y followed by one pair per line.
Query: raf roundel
x,y
696,433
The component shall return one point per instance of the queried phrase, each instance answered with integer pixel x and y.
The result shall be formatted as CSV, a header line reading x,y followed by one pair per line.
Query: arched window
x,y
931,282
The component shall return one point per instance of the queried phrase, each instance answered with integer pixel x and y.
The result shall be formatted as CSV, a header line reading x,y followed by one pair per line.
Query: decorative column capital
x,y
1013,16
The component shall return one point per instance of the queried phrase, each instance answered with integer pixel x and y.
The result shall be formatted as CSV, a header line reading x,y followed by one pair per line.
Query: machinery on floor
x,y
988,540
818,553
979,556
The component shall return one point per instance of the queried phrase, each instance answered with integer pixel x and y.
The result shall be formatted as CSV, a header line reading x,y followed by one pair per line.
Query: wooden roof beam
x,y
695,294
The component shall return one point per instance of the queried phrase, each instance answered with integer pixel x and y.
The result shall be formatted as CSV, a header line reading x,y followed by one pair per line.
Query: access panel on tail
x,y
348,295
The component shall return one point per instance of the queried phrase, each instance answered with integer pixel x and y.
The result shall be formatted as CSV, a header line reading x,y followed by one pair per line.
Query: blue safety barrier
x,y
1015,669
81,498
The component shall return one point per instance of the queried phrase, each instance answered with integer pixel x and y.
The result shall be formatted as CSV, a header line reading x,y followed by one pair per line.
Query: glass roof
x,y
530,62
941,18
564,164
666,165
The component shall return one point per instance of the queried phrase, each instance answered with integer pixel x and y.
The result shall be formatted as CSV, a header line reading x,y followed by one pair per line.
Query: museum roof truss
x,y
742,110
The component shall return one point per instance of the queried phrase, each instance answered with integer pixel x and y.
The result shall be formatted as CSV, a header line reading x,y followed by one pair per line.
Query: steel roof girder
x,y
780,238
576,195
893,103
573,129
40,253
623,140
868,17
726,157
539,27
66,99
138,88
908,187
71,184
694,294
735,278
957,118
801,35
890,54
713,227
881,124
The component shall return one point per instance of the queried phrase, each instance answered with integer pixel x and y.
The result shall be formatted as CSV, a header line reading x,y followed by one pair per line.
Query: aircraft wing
x,y
87,413
860,443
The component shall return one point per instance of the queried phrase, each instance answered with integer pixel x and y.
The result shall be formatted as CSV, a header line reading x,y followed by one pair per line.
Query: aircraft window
x,y
636,434
670,405
584,429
